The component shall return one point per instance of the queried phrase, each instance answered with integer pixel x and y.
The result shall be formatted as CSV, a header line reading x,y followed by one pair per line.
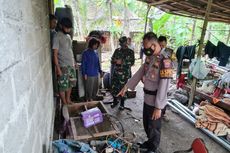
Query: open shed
x,y
207,10
194,8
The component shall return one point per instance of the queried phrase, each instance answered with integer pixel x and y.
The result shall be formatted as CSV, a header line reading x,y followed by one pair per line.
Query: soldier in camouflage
x,y
122,61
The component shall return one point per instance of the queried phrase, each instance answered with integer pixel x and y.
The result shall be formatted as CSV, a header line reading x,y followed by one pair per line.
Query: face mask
x,y
148,51
65,32
123,45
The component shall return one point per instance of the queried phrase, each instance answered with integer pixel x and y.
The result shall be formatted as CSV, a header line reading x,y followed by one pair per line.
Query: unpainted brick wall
x,y
26,96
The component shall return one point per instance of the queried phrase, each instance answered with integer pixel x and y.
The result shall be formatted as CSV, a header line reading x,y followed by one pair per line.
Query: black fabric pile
x,y
221,52
184,52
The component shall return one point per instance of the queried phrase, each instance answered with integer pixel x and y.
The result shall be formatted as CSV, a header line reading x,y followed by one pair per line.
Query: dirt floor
x,y
177,134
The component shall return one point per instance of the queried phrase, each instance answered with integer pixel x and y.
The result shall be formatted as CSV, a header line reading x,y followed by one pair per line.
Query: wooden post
x,y
51,6
146,18
201,45
110,7
209,32
146,22
193,31
228,36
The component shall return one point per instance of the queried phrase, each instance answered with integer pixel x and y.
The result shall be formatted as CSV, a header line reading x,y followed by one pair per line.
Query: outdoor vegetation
x,y
127,17
116,16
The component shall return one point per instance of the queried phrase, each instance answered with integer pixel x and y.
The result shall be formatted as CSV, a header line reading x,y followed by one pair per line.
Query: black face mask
x,y
65,32
148,51
123,45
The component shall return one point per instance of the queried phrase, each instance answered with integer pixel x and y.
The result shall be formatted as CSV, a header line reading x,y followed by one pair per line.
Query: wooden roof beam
x,y
218,5
160,2
227,1
224,6
190,10
203,11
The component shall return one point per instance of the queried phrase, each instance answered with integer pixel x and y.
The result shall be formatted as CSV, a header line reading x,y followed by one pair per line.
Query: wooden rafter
x,y
217,5
196,9
160,2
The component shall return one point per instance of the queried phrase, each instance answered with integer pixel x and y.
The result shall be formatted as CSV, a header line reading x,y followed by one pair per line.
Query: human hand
x,y
85,77
101,74
143,79
123,91
156,114
119,61
76,66
59,72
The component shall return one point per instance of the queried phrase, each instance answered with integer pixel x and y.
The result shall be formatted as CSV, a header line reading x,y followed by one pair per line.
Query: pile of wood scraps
x,y
107,127
105,135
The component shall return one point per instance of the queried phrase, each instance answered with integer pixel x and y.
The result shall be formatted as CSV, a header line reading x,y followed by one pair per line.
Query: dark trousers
x,y
152,128
163,111
91,88
122,101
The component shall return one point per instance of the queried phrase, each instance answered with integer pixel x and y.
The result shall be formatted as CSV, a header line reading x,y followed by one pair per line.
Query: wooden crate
x,y
107,127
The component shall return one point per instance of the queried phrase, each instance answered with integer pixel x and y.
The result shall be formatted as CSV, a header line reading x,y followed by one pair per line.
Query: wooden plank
x,y
77,108
103,106
78,132
217,5
221,104
201,10
201,45
95,128
160,2
85,107
74,130
112,132
102,129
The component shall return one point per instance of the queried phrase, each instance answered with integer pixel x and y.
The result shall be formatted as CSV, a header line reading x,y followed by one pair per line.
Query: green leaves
x,y
56,1
177,29
160,23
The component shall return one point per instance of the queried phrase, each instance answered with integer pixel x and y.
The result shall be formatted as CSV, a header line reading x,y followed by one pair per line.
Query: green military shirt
x,y
122,60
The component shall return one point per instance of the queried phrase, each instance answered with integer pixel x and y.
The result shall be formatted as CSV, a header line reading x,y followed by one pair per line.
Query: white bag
x,y
198,69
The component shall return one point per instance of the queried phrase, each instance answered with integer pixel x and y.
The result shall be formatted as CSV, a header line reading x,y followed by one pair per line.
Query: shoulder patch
x,y
166,69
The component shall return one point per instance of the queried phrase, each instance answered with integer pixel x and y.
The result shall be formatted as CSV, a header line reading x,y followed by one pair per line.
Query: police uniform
x,y
156,74
122,70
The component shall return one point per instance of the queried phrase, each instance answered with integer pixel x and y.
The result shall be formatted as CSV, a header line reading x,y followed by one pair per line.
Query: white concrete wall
x,y
26,97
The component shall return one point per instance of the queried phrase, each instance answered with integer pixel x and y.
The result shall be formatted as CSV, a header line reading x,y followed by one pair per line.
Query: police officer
x,y
122,60
156,74
166,52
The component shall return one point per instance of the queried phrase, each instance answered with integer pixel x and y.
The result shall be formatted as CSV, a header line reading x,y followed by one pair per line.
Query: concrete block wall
x,y
26,96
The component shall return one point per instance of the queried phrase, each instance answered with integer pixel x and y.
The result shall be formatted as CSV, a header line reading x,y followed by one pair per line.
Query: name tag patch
x,y
167,63
166,73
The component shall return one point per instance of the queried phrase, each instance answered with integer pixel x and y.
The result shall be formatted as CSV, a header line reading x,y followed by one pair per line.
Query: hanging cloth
x,y
198,69
184,52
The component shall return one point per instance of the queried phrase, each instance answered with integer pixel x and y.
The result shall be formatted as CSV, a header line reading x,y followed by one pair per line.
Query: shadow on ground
x,y
177,134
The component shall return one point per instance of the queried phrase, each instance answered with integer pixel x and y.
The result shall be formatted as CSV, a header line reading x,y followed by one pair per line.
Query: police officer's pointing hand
x,y
122,92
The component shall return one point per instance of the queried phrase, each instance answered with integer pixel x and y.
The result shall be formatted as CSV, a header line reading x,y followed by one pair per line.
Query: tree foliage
x,y
177,29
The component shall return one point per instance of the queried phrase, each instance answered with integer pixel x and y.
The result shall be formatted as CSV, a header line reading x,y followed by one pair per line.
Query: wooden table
x,y
221,104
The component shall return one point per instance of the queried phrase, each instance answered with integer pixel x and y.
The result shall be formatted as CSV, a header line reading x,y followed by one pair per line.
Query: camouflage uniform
x,y
122,71
67,79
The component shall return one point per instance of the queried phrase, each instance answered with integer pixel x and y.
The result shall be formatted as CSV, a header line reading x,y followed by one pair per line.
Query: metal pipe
x,y
192,120
182,106
219,140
